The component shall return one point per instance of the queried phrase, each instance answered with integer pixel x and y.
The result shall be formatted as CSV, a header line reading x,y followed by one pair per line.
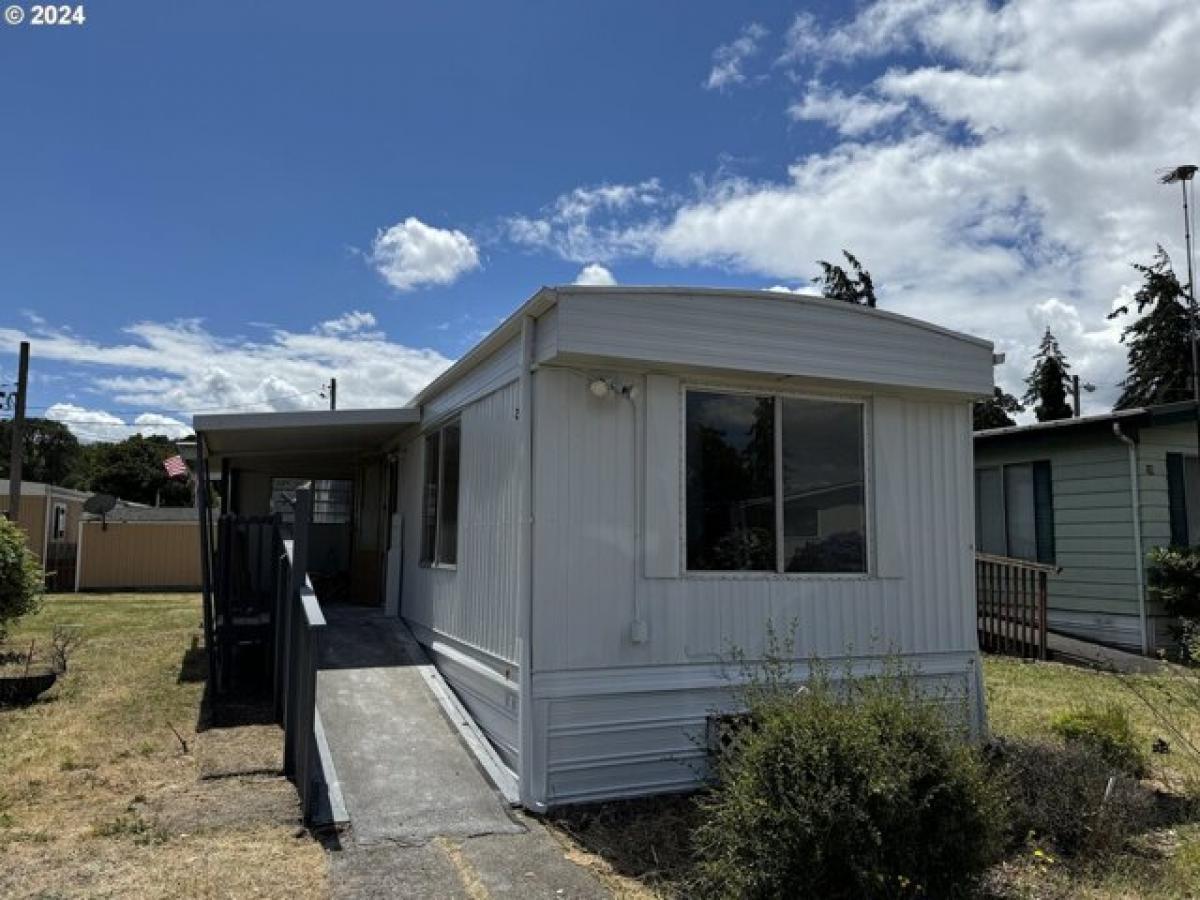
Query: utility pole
x,y
1075,392
1184,175
18,437
333,393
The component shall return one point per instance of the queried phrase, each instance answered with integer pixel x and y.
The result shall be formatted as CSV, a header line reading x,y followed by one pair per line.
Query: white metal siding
x,y
770,335
467,616
587,580
493,373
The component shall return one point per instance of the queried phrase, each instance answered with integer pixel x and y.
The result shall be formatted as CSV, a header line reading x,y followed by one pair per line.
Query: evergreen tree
x,y
1160,360
1049,383
838,284
994,412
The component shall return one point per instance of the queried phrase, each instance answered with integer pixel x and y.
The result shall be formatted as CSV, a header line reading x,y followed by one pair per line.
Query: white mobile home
x,y
585,515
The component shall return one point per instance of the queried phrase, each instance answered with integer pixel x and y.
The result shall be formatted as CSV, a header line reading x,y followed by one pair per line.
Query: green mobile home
x,y
1093,496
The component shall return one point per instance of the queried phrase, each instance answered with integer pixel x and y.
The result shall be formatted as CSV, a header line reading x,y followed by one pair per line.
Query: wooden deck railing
x,y
1010,605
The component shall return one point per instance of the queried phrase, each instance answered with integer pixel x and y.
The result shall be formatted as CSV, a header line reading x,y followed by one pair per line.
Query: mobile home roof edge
x,y
548,296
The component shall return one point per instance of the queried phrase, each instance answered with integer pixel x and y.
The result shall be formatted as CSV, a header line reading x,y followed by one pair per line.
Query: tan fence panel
x,y
140,556
32,521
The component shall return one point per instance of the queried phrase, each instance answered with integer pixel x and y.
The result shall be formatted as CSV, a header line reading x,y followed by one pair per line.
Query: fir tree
x,y
838,284
1160,361
994,412
1049,383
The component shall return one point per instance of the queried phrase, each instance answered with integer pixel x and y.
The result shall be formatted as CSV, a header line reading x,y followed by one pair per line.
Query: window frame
x,y
1002,468
433,562
780,573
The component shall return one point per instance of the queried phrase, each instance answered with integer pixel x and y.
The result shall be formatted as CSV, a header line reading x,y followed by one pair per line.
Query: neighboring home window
x,y
774,484
1183,499
1014,511
439,506
59,522
333,499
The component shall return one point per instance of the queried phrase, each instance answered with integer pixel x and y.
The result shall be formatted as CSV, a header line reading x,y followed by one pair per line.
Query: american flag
x,y
176,467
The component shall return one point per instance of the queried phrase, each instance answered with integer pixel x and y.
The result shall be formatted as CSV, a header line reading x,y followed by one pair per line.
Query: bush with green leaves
x,y
1175,579
864,789
1109,731
1068,797
21,580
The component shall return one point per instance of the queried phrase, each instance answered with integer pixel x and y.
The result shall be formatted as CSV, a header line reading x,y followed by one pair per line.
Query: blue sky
x,y
218,205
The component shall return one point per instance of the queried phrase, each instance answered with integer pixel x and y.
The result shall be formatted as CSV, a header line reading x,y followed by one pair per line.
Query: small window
x,y
1183,499
1014,511
332,499
60,521
775,484
439,506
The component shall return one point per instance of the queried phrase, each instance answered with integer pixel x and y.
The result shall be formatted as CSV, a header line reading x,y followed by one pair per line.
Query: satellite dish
x,y
100,505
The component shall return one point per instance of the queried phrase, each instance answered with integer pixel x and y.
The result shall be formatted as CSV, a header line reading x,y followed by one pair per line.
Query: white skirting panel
x,y
638,731
485,685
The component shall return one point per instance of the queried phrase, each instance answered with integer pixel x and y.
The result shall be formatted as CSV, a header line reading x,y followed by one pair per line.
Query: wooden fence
x,y
1010,605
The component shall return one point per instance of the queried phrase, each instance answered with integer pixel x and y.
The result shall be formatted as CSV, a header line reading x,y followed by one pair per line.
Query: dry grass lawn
x,y
98,797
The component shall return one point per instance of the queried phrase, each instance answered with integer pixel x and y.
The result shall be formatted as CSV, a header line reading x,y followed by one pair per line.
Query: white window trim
x,y
439,430
863,401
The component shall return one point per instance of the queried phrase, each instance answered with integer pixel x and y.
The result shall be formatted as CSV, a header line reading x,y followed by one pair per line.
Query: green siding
x,y
1095,594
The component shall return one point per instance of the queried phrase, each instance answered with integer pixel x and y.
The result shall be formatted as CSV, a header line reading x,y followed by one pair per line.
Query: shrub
x,y
1108,731
1175,579
865,792
20,578
1065,795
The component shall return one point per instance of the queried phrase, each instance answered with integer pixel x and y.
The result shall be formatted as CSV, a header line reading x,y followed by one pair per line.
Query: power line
x,y
134,410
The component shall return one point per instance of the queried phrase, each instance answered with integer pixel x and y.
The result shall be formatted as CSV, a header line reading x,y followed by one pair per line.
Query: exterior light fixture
x,y
600,388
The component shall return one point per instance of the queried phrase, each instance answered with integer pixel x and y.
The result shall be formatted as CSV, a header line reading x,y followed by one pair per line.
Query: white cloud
x,y
804,291
156,423
850,114
595,273
728,59
168,370
90,425
596,223
411,254
1021,167
349,323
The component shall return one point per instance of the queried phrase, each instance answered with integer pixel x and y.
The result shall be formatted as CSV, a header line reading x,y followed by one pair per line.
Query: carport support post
x,y
205,560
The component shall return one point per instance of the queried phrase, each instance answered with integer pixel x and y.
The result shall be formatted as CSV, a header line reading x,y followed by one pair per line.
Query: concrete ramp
x,y
403,769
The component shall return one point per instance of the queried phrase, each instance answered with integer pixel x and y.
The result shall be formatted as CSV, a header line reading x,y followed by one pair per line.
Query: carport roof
x,y
307,431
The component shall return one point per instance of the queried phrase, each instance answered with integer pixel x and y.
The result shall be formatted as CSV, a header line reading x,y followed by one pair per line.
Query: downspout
x,y
1136,506
529,796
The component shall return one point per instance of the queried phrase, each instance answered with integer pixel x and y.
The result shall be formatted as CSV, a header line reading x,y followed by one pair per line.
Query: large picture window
x,y
774,484
439,507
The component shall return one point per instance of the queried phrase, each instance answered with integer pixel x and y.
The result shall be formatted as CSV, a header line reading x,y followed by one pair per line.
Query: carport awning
x,y
332,432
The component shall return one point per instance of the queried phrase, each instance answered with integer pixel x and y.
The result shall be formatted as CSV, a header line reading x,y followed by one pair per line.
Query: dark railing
x,y
299,626
1010,605
244,597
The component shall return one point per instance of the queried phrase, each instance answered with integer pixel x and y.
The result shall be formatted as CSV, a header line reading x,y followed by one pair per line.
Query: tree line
x,y
131,469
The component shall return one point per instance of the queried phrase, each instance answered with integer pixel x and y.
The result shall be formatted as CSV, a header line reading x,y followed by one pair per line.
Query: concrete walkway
x,y
424,819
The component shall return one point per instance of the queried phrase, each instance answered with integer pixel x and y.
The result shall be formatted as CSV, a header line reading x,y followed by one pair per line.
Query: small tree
x,y
1160,360
20,578
1050,382
838,284
995,411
